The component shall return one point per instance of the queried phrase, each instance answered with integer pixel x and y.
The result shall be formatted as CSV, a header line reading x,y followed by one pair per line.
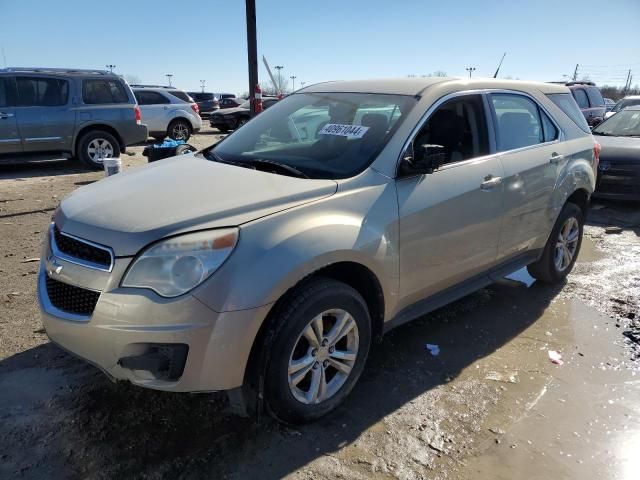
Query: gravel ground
x,y
413,415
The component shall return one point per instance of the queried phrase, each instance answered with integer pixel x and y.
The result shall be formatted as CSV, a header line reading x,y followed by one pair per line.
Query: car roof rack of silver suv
x,y
55,70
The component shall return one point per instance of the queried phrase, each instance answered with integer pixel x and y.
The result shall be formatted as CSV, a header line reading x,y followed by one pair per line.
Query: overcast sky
x,y
326,39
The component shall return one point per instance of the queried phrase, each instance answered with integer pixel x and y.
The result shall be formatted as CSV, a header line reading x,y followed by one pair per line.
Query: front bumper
x,y
129,322
618,182
222,121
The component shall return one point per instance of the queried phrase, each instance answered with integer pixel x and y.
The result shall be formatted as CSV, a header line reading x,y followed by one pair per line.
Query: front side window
x,y
99,92
459,125
581,97
4,92
322,135
42,92
518,121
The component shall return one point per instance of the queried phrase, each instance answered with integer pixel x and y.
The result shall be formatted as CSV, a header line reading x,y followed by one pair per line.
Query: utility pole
x,y
575,73
169,75
202,82
293,80
110,67
627,84
252,52
470,70
279,86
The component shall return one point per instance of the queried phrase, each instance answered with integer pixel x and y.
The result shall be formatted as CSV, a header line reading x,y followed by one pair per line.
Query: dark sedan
x,y
619,169
231,118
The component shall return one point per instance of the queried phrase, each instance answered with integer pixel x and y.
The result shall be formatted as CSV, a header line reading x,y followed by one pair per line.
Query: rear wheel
x,y
179,130
95,146
319,351
241,122
562,248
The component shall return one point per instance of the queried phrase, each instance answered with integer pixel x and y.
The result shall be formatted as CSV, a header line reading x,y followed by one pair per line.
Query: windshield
x,y
623,124
323,135
624,103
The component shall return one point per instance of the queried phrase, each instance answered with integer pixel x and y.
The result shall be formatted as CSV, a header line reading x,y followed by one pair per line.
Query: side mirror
x,y
427,159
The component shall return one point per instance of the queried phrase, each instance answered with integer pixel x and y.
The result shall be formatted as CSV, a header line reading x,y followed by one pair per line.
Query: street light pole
x,y
293,80
252,51
110,67
470,70
279,86
202,82
169,75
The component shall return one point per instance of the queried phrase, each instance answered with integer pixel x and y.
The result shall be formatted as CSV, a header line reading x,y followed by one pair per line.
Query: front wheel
x,y
319,351
562,248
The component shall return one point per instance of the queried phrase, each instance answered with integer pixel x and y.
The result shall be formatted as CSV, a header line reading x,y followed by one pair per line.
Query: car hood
x,y
619,149
132,209
227,111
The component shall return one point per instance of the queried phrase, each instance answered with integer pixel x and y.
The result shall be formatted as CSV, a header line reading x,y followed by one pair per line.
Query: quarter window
x,y
459,125
519,123
550,130
181,96
98,91
581,97
595,97
42,92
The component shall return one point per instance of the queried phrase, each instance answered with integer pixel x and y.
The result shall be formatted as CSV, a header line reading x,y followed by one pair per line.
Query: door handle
x,y
556,158
6,115
490,182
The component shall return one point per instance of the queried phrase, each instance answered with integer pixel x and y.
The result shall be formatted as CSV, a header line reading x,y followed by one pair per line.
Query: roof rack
x,y
55,70
137,85
578,82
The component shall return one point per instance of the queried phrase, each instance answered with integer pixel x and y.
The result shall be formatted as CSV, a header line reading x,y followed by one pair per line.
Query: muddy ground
x,y
490,405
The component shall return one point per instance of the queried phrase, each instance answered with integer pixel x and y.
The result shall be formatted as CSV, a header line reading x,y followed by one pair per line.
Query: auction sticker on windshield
x,y
349,131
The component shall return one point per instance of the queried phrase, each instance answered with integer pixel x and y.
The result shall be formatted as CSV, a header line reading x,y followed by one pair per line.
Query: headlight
x,y
176,265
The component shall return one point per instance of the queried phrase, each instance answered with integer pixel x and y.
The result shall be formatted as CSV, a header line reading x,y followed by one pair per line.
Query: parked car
x,y
231,102
207,102
232,118
221,96
619,169
608,103
285,249
627,101
168,112
54,112
590,101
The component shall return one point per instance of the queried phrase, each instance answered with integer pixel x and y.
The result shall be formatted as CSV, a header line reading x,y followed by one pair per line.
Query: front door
x,y
450,219
46,121
9,134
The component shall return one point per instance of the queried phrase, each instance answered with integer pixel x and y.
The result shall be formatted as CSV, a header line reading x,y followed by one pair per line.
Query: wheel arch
x,y
580,197
96,127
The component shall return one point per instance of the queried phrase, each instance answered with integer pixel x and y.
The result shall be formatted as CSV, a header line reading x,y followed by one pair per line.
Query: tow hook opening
x,y
165,361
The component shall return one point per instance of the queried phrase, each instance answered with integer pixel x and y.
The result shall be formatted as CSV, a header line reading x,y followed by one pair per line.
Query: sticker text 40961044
x,y
349,131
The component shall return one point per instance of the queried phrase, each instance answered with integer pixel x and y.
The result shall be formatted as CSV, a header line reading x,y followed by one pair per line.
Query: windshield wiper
x,y
282,166
211,155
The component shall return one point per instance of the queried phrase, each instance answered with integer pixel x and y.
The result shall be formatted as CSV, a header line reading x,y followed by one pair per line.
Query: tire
x,y
183,149
325,302
240,122
223,129
553,266
95,145
179,130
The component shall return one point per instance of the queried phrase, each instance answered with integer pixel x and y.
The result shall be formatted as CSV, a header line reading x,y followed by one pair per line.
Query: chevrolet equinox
x,y
266,264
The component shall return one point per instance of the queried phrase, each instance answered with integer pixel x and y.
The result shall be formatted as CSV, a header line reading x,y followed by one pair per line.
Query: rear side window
x,y
42,92
519,123
595,97
181,95
581,97
99,91
567,104
150,98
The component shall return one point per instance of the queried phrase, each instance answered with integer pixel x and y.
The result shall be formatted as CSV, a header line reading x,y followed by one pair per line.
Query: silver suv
x,y
88,114
266,264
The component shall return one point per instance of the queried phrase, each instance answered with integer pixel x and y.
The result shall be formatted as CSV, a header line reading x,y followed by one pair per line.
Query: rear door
x,y
154,108
532,154
450,219
45,119
9,134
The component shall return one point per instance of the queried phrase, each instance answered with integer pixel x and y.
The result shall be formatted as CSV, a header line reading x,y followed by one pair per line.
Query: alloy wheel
x,y
566,244
99,149
180,131
323,356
